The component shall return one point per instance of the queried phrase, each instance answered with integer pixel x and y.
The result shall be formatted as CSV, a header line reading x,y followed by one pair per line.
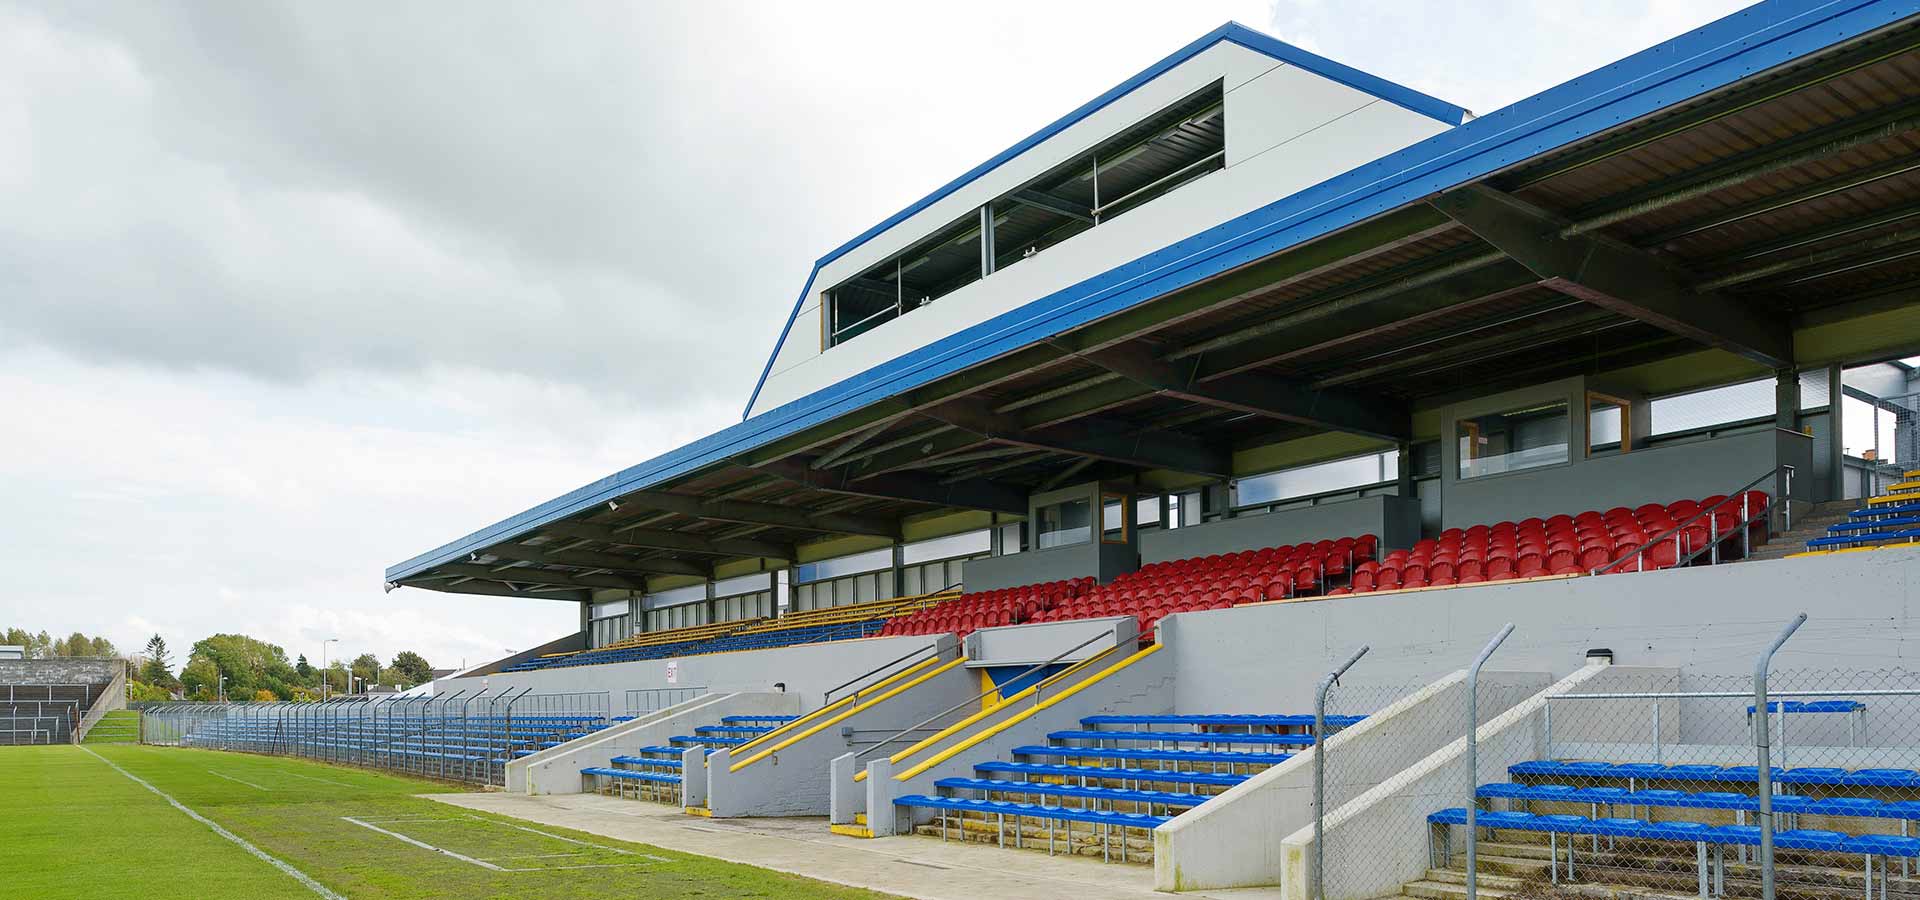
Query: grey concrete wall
x,y
1659,474
575,641
1027,645
1708,620
556,770
1102,561
807,670
1234,840
70,670
793,780
1395,520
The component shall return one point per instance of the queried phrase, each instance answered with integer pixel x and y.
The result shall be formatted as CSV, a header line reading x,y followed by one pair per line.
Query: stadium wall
x,y
71,670
807,670
1395,520
1708,620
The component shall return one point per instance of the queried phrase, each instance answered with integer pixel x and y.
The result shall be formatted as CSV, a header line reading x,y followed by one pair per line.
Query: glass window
x,y
1146,511
677,596
964,544
1512,441
743,584
1010,540
1113,518
851,564
1319,478
1609,425
1064,523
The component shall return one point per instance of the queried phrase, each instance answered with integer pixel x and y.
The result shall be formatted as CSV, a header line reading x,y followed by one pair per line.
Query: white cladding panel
x,y
1287,129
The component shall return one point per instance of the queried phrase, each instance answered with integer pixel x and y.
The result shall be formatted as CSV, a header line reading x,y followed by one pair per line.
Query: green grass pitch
x,y
76,828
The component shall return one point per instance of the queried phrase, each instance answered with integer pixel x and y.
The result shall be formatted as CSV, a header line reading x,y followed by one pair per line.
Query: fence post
x,y
1327,682
1473,761
1765,775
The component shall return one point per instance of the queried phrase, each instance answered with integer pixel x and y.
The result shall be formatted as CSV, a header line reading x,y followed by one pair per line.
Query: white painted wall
x,y
1287,129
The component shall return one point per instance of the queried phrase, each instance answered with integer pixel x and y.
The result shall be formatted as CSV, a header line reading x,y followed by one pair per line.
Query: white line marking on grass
x,y
327,780
423,844
258,853
231,778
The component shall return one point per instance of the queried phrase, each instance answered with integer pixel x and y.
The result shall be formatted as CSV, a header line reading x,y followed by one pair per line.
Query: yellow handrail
x,y
843,701
845,715
1024,715
1005,702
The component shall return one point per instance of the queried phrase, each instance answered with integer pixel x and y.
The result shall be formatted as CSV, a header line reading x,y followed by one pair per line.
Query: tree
x,y
103,647
265,696
249,664
366,667
412,668
140,692
336,675
158,668
303,668
200,678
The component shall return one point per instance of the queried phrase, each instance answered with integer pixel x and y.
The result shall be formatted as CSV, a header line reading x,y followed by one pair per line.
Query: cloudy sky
x,y
291,292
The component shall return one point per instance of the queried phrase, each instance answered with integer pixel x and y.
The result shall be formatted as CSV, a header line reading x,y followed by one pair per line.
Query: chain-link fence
x,y
468,737
1414,723
647,700
1889,437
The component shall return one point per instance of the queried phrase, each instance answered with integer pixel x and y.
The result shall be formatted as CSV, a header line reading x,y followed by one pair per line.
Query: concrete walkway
x,y
919,867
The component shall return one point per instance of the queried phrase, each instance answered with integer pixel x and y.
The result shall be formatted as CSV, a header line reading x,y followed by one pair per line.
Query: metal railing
x,y
975,699
641,701
887,667
1782,475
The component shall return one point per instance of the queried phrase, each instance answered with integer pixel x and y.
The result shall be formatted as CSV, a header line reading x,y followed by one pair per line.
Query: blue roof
x,y
1233,33
1713,56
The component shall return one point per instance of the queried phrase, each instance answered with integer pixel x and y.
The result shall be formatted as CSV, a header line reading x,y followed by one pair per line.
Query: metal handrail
x,y
980,696
1747,517
827,698
1209,158
892,308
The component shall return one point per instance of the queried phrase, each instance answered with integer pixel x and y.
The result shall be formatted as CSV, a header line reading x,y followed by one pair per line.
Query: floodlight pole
x,y
323,667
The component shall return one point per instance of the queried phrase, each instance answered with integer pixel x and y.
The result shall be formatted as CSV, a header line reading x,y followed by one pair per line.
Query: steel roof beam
x,y
1090,437
1285,399
675,541
591,559
522,575
967,494
1616,277
745,512
1052,204
495,589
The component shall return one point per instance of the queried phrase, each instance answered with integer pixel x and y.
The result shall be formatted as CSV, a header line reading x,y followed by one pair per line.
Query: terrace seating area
x,y
835,623
1570,544
989,609
43,714
1655,832
1120,776
655,773
1888,520
467,748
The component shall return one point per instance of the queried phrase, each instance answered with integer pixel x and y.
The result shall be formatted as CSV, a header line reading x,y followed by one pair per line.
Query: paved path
x,y
919,867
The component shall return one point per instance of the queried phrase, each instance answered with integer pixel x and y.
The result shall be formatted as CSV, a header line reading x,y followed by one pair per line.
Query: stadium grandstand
x,y
1066,490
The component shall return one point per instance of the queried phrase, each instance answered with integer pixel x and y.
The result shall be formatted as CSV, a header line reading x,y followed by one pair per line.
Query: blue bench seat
x,y
1116,795
740,720
632,775
1110,773
648,762
1863,807
1187,737
707,740
1222,720
1807,839
733,729
1237,757
1806,775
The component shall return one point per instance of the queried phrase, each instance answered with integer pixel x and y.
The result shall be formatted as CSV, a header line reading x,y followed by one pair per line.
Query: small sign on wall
x,y
673,671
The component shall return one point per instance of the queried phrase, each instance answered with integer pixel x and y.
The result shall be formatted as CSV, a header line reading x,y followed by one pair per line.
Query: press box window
x,y
1062,524
1513,441
1609,425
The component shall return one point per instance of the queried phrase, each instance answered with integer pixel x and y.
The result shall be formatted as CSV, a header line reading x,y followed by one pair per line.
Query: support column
x,y
1786,399
1403,478
1836,436
586,623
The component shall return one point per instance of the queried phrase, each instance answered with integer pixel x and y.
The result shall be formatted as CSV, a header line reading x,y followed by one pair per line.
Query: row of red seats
x,y
1561,545
987,609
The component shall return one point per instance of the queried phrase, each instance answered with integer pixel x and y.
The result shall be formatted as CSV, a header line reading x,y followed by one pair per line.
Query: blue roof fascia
x,y
1760,37
1232,32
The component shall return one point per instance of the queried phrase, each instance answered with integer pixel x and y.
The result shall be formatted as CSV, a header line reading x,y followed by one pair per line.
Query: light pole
x,y
323,667
223,689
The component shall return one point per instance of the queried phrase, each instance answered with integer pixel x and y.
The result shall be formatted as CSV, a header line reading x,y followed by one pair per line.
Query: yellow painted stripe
x,y
842,703
816,729
1907,497
1024,715
1904,486
700,811
969,721
859,831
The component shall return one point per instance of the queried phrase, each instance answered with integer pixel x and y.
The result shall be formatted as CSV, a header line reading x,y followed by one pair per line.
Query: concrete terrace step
x,y
1442,890
1488,880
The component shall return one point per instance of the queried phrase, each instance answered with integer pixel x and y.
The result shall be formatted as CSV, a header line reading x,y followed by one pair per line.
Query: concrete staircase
x,y
122,726
1505,869
1809,521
